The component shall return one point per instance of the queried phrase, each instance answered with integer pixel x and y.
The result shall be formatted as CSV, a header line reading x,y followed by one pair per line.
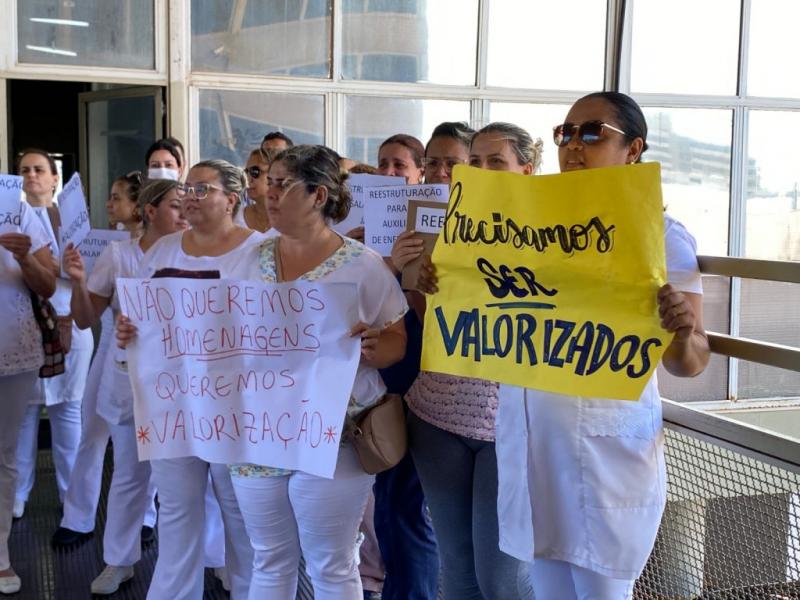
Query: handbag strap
x,y
55,222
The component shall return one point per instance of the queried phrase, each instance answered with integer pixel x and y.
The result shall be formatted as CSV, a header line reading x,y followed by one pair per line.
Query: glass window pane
x,y
773,34
233,123
119,131
370,120
685,47
773,186
711,384
542,44
694,149
410,40
536,119
265,37
91,32
770,312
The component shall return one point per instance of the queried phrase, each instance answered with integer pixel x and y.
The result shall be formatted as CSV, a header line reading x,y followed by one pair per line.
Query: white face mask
x,y
162,173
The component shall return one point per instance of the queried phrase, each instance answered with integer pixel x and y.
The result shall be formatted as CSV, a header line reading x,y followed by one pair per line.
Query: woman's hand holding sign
x,y
126,331
380,348
427,277
405,249
73,264
681,314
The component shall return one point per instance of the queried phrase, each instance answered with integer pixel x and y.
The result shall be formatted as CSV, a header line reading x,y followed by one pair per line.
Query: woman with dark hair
x,y
400,155
63,393
254,215
26,265
582,480
164,160
123,203
402,525
130,494
125,209
451,419
285,511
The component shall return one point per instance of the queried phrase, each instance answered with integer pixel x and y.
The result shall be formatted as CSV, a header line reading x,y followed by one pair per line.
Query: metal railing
x,y
731,528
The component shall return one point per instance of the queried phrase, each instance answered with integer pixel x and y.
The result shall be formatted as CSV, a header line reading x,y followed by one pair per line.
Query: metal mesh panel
x,y
731,528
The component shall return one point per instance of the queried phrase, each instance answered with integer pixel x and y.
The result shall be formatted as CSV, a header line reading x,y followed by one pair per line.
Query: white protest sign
x,y
358,184
93,245
241,371
10,199
429,220
386,208
74,215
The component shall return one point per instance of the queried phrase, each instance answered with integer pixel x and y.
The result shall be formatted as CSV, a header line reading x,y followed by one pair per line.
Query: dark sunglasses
x,y
589,132
254,172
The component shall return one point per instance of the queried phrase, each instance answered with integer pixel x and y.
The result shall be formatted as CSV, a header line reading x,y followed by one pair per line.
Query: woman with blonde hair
x,y
210,199
130,494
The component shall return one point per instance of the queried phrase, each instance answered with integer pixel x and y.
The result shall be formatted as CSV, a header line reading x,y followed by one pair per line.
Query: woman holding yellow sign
x,y
451,419
582,480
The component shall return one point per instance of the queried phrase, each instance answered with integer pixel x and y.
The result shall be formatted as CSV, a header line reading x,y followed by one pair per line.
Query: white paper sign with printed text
x,y
74,214
10,198
358,184
386,209
93,245
429,220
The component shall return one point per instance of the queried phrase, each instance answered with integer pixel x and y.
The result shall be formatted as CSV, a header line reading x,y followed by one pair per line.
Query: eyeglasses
x,y
198,190
434,164
135,175
254,172
589,132
282,184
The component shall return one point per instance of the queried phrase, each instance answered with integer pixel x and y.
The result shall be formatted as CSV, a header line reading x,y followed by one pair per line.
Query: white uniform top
x,y
238,219
381,301
21,342
582,480
69,386
114,395
239,263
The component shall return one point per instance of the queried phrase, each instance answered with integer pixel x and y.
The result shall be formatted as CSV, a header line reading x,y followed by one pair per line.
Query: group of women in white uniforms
x,y
580,482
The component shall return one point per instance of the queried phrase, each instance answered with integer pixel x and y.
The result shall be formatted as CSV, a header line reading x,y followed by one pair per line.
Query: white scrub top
x,y
583,480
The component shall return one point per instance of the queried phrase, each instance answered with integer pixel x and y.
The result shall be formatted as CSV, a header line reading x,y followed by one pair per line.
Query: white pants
x,y
130,495
65,432
181,484
83,491
290,513
16,392
214,533
559,580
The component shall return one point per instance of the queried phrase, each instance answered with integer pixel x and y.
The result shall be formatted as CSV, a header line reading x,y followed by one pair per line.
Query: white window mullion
x,y
483,43
626,43
337,39
182,112
737,221
479,113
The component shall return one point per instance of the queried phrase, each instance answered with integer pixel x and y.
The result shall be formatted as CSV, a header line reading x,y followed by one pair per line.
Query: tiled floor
x,y
48,574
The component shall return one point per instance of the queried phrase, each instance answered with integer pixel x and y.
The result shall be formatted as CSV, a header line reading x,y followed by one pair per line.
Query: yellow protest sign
x,y
550,281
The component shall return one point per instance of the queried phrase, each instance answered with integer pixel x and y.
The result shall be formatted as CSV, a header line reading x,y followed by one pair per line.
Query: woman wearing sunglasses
x,y
254,216
131,494
214,244
451,419
590,508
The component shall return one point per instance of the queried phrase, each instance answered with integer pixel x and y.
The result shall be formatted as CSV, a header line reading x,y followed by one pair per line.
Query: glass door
x,y
116,128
